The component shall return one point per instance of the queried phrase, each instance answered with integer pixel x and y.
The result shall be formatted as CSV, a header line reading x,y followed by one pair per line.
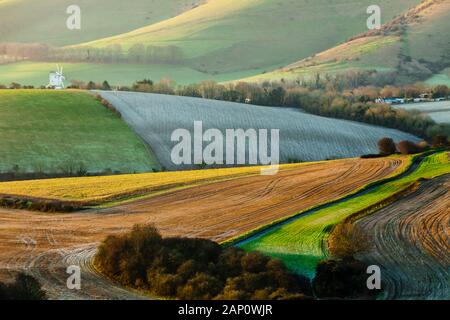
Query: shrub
x,y
25,287
106,86
408,147
195,268
347,241
387,146
423,145
15,85
441,91
372,156
341,279
110,107
440,141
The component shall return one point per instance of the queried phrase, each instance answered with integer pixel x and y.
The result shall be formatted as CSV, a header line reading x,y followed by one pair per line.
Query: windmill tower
x,y
56,79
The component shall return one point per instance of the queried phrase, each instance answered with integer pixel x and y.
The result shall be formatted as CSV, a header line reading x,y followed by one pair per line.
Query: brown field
x,y
217,211
412,243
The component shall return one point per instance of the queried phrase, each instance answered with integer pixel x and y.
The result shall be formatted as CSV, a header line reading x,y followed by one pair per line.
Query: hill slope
x,y
45,20
217,211
55,131
229,35
301,242
303,137
414,44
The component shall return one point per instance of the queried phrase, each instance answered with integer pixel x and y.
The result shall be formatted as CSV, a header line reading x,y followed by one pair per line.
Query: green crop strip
x,y
300,244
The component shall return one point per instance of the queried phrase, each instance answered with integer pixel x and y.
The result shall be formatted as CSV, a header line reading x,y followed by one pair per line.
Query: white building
x,y
56,79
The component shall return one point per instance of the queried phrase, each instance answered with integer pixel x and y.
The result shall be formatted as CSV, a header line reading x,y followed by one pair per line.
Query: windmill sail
x,y
56,78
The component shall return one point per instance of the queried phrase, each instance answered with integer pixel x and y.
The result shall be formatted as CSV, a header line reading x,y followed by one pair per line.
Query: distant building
x,y
390,100
426,96
56,79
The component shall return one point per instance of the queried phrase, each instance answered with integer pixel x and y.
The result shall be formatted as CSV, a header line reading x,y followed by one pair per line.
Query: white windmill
x,y
56,79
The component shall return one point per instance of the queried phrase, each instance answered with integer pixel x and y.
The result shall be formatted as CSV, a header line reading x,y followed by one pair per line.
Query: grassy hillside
x,y
45,20
229,35
36,73
221,39
440,78
303,137
415,44
52,131
301,243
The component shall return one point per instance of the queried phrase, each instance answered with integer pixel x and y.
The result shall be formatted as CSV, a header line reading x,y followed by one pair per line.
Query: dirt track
x,y
46,243
412,243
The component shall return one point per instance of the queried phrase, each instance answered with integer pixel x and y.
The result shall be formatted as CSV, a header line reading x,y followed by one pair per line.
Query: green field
x,y
36,73
221,40
230,35
52,131
440,78
45,20
300,244
334,61
424,43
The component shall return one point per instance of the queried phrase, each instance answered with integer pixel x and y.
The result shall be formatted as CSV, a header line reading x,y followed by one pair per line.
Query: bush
x,y
341,279
372,156
25,287
408,147
109,106
440,141
387,146
195,268
347,241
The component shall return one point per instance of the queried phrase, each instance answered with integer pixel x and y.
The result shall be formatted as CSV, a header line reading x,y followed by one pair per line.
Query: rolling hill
x,y
303,137
36,73
52,132
230,35
220,39
45,21
217,211
301,242
415,44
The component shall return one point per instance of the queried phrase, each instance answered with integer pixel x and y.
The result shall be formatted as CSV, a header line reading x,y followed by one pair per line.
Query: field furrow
x,y
302,137
217,211
301,241
412,243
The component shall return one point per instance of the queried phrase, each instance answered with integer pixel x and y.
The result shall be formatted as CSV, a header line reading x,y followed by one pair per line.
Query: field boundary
x,y
13,201
414,162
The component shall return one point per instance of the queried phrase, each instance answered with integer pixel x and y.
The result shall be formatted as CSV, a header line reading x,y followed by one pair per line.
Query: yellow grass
x,y
88,189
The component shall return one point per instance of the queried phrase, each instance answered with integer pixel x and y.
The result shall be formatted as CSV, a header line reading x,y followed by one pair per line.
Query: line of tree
x,y
195,269
350,104
387,146
114,53
329,96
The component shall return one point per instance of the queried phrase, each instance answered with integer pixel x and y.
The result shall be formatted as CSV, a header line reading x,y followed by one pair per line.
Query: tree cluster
x,y
195,268
25,287
114,53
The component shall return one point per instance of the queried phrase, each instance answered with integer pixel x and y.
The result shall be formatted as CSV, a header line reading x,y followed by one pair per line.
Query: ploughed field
x,y
302,243
303,137
412,244
438,111
218,211
88,191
